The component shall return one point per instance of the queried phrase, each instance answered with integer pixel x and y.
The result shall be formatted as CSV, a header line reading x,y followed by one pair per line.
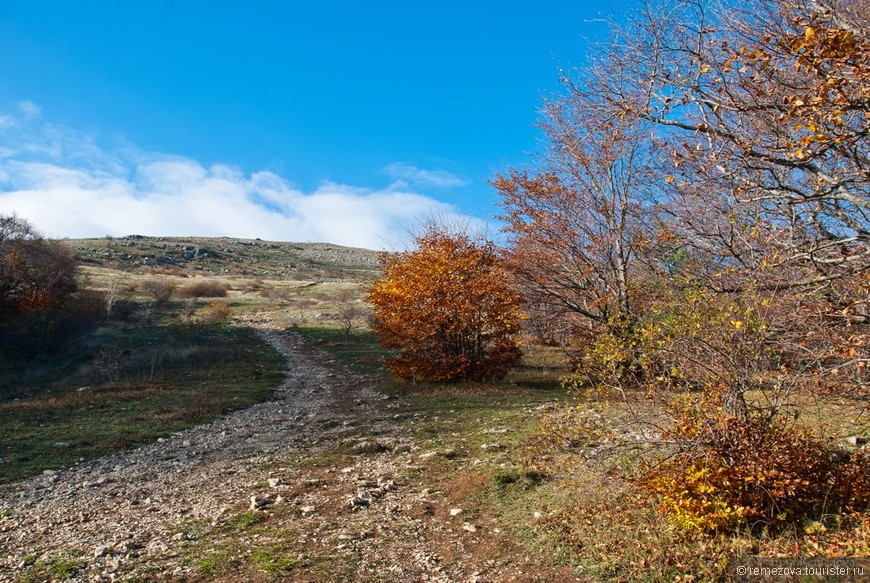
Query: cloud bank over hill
x,y
65,184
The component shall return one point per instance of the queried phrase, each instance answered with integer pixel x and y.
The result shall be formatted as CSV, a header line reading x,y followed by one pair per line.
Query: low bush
x,y
217,312
204,289
158,288
758,474
711,387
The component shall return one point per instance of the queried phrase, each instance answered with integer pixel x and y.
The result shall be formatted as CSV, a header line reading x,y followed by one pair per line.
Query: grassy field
x,y
124,388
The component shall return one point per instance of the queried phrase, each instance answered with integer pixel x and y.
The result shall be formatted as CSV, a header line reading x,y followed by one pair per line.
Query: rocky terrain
x,y
226,256
251,497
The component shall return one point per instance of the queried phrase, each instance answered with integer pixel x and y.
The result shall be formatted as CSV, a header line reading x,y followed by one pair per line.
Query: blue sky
x,y
338,121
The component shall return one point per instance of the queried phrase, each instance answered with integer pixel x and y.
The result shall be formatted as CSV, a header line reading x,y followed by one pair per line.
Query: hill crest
x,y
224,255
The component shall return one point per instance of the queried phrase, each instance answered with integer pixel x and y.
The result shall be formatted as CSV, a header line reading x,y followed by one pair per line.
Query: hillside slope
x,y
227,256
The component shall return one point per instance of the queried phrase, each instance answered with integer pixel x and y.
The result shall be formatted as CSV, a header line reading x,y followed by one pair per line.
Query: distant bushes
x,y
161,290
204,289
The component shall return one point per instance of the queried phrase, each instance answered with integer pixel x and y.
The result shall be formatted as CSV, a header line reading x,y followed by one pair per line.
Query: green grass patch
x,y
218,561
243,521
57,568
274,560
149,382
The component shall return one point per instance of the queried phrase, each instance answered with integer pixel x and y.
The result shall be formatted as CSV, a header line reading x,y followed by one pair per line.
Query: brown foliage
x,y
218,312
158,288
35,274
204,289
448,310
578,224
704,207
756,473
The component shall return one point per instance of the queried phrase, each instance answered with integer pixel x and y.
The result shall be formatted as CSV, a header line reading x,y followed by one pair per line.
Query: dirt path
x,y
143,514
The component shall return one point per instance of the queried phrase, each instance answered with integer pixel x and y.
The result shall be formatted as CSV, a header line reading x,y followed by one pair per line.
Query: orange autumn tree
x,y
447,309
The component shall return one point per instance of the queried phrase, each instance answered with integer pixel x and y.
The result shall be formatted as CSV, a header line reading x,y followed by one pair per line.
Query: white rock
x,y
455,511
360,500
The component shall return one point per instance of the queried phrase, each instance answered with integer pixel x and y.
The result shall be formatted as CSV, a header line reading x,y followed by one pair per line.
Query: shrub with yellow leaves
x,y
753,473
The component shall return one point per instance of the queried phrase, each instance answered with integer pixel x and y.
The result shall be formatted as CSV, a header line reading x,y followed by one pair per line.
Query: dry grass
x,y
204,289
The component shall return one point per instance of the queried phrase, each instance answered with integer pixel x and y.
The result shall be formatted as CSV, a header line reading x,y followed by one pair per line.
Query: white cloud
x,y
30,109
67,186
413,175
